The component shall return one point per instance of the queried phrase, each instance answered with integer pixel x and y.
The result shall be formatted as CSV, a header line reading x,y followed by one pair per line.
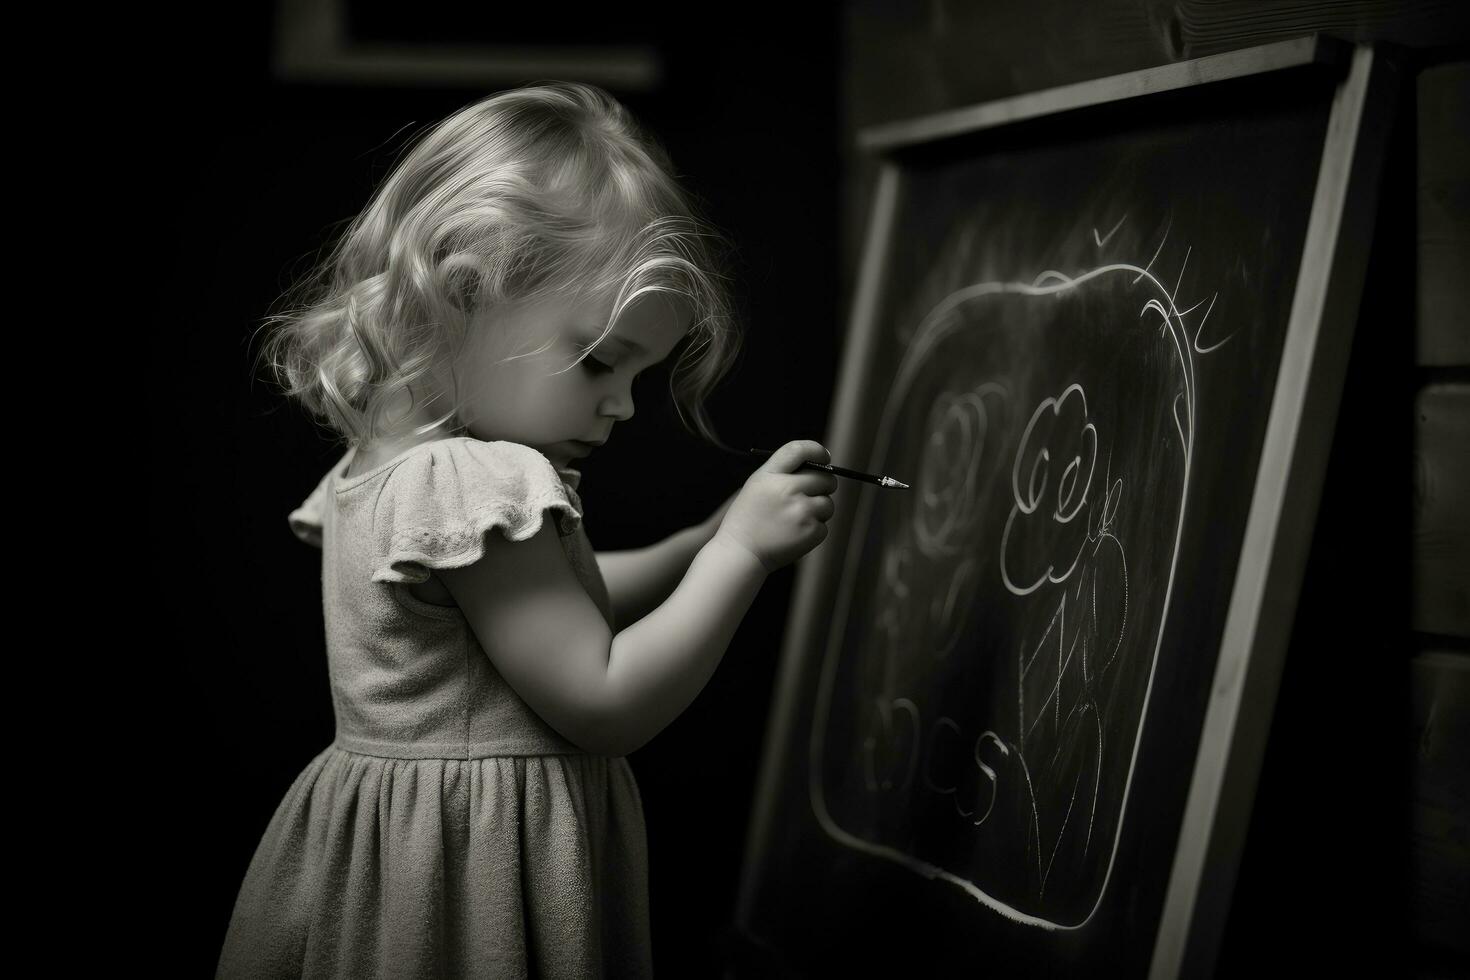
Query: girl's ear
x,y
460,291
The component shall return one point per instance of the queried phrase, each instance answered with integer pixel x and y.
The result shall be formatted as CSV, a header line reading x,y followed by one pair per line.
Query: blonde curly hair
x,y
547,189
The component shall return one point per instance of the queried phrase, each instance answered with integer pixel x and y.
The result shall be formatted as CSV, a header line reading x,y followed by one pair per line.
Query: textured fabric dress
x,y
447,831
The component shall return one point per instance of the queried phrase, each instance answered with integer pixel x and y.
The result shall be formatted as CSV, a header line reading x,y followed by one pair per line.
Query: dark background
x,y
256,169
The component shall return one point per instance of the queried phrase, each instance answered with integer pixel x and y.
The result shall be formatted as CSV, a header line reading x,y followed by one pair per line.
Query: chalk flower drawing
x,y
982,725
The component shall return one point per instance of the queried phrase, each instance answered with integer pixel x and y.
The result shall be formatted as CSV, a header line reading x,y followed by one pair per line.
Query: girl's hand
x,y
782,511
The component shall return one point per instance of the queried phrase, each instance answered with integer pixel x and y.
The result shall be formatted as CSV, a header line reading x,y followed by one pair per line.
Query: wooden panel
x,y
314,42
1441,601
912,59
1205,26
1443,336
1440,842
1166,78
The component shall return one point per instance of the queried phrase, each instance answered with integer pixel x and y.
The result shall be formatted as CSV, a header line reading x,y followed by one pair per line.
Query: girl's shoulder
x,y
441,483
463,465
462,456
432,506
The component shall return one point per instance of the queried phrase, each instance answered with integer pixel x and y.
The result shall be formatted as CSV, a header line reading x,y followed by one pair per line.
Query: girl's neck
x,y
400,443
408,413
370,455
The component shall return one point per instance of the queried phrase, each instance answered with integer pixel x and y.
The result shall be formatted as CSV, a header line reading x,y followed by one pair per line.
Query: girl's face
x,y
546,401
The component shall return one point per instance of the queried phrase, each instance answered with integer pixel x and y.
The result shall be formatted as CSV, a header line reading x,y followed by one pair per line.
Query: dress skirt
x,y
499,867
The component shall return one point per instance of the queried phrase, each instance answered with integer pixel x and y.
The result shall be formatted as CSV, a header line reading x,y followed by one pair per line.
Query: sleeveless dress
x,y
447,831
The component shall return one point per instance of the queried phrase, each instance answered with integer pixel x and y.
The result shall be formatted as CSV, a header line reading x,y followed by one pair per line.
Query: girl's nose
x,y
618,406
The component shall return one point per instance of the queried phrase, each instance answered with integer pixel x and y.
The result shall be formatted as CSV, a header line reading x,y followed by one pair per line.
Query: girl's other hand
x,y
782,511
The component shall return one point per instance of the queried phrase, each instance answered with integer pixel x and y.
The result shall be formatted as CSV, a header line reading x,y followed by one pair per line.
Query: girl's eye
x,y
596,366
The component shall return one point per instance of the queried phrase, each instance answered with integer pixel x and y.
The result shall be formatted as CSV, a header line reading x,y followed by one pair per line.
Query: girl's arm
x,y
639,580
606,693
657,666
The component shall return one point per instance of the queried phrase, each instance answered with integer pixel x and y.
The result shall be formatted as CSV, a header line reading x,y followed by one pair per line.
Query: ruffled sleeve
x,y
306,520
436,506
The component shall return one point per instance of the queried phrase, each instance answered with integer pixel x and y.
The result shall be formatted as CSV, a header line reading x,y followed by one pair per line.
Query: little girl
x,y
477,328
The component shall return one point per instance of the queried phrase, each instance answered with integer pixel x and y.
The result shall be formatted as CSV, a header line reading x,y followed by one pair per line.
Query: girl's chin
x,y
564,454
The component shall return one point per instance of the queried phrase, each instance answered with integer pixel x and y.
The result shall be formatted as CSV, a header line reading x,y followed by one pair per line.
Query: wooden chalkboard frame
x,y
1288,482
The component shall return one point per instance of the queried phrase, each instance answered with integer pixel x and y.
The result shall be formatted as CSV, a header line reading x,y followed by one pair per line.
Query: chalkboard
x,y
1100,331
